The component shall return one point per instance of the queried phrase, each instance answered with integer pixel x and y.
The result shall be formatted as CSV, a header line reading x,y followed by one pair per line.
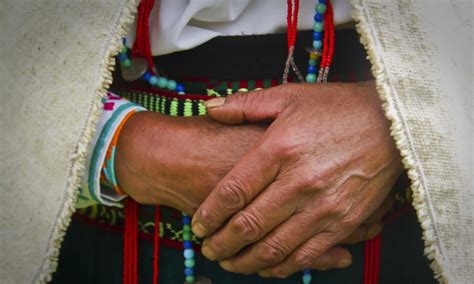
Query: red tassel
x,y
130,253
156,246
372,260
141,46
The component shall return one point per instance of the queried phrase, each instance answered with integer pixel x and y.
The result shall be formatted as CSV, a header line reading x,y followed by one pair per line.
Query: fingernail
x,y
227,265
214,102
375,230
265,273
199,230
343,263
207,252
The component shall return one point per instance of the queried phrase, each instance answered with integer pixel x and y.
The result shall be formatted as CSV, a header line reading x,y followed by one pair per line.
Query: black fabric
x,y
257,57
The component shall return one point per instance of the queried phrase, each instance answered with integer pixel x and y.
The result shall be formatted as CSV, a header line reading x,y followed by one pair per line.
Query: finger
x,y
277,245
253,173
307,255
249,106
363,233
335,257
267,211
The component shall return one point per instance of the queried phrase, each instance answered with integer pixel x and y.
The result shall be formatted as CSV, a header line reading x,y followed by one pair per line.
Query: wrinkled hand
x,y
323,166
177,161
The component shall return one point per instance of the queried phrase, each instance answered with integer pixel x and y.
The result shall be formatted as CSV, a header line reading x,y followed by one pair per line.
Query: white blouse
x,y
185,24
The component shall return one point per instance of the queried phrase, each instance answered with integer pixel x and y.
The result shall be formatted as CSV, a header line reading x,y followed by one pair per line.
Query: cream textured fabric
x,y
55,65
55,59
421,54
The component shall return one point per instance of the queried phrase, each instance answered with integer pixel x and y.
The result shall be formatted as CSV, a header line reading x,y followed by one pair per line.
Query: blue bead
x,y
317,44
188,271
188,253
317,35
179,89
318,17
307,278
146,76
186,218
153,80
122,57
187,245
322,1
311,69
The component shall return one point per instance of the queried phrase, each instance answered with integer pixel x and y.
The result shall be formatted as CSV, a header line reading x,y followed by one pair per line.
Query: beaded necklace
x,y
141,67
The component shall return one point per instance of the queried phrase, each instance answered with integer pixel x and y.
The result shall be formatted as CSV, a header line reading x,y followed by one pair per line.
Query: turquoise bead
x,y
318,27
188,253
307,278
321,8
310,78
189,263
153,80
186,236
312,62
190,279
162,82
126,63
317,44
171,85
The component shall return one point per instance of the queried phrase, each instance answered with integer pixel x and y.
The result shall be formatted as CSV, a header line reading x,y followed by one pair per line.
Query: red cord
x,y
372,260
328,40
292,22
156,246
332,34
141,46
130,254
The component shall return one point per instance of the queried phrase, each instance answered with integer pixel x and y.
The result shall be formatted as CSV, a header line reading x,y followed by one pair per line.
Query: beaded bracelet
x,y
109,163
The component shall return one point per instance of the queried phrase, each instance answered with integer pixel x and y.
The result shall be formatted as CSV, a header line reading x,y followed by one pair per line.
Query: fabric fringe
x,y
391,110
76,170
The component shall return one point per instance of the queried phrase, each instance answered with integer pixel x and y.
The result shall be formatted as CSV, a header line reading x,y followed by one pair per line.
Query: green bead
x,y
310,78
171,85
312,62
126,63
321,8
318,27
189,262
186,236
124,49
186,228
307,278
190,279
162,82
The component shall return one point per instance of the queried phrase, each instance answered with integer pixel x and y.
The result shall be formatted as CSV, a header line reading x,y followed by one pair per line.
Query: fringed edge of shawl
x,y
401,139
77,164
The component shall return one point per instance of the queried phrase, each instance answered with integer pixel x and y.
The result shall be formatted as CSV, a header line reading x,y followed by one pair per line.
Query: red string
x,y
156,246
329,35
332,34
141,46
292,22
372,260
130,254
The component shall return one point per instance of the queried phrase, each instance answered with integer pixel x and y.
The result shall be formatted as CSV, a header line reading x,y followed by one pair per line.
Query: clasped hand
x,y
323,166
277,179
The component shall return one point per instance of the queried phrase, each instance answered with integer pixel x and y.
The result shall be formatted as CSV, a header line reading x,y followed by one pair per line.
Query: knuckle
x,y
232,194
248,226
304,258
272,252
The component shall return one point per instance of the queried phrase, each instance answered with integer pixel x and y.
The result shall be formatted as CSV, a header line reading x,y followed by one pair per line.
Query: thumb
x,y
252,106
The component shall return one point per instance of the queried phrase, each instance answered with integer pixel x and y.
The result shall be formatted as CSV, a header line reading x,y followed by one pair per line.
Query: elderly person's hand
x,y
324,165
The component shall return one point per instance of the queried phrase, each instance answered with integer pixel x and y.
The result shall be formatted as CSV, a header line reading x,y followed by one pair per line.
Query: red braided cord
x,y
325,51
292,21
130,258
141,46
156,246
372,260
332,34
